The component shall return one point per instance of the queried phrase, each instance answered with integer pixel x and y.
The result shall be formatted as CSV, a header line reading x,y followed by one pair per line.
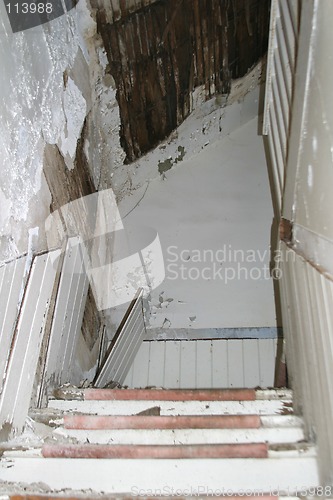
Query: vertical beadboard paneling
x,y
18,385
191,364
128,382
235,363
220,363
251,363
281,64
266,361
11,286
188,363
124,346
67,319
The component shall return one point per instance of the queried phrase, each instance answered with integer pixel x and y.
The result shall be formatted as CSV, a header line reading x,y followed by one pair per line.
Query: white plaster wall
x,y
39,106
213,214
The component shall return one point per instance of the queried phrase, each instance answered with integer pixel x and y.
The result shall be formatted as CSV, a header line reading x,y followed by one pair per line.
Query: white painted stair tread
x,y
183,436
258,407
150,476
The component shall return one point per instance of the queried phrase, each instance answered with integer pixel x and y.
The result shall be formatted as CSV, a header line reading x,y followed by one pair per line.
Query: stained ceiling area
x,y
159,53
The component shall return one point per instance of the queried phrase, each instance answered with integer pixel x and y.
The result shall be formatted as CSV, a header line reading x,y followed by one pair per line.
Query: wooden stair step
x,y
191,407
162,422
170,394
257,450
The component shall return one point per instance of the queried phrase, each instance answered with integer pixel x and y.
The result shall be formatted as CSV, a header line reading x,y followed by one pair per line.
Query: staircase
x,y
163,442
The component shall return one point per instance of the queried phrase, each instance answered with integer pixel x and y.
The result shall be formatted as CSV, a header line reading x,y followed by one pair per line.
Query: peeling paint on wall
x,y
159,54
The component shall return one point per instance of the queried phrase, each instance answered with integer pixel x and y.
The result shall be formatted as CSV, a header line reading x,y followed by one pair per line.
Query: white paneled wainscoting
x,y
193,364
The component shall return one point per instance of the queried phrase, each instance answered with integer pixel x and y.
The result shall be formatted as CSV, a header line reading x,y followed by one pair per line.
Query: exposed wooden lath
x,y
281,67
159,54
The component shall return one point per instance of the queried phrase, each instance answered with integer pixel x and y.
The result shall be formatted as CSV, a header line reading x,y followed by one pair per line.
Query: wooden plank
x,y
212,333
188,364
11,288
128,382
251,363
172,365
68,315
235,475
125,346
156,364
220,363
126,407
162,422
272,435
204,364
266,362
141,366
235,363
252,450
164,394
78,289
18,386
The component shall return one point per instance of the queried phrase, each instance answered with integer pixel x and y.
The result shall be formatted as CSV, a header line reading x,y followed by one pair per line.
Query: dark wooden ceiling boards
x,y
160,53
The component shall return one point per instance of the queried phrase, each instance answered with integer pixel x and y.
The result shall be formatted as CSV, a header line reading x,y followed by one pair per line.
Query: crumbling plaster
x,y
49,85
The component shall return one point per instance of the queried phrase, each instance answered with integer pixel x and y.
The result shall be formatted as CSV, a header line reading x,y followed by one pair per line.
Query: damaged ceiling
x,y
158,52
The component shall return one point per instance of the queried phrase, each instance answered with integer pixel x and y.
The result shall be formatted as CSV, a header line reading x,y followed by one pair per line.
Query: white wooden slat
x,y
125,346
274,137
17,390
172,365
124,354
61,324
156,364
175,364
219,363
251,363
293,6
235,364
236,475
266,362
141,366
324,356
287,71
188,364
280,130
290,321
76,281
128,382
204,365
277,193
121,407
11,286
279,86
270,58
313,340
288,31
271,435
